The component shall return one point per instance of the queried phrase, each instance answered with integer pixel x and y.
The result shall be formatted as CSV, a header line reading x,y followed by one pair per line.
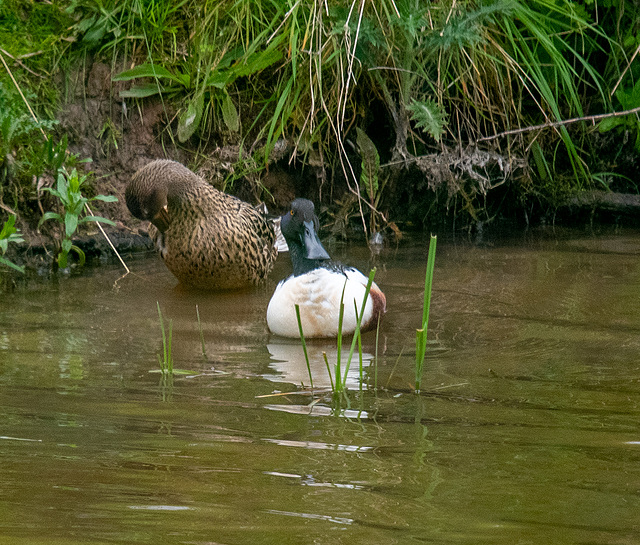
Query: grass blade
x,y
304,348
204,350
421,333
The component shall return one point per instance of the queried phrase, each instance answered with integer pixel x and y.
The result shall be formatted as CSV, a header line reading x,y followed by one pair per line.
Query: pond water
x,y
527,429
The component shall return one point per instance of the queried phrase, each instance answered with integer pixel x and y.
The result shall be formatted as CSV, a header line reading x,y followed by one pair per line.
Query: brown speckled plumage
x,y
207,239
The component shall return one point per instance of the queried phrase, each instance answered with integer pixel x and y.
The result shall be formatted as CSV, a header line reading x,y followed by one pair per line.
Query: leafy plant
x,y
9,234
68,192
421,334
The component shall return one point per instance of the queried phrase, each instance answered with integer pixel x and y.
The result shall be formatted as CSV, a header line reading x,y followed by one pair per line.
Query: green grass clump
x,y
167,370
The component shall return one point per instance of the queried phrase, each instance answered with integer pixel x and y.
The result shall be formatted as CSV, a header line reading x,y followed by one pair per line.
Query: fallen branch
x,y
551,124
606,200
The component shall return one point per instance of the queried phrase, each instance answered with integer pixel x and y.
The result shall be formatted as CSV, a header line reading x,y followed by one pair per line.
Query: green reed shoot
x,y
421,334
204,350
304,346
339,383
360,363
166,362
357,333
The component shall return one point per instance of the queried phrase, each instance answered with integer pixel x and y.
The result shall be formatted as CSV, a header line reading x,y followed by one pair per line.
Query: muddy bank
x,y
120,136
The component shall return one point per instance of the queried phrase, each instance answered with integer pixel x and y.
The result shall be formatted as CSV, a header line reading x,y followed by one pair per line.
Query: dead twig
x,y
615,87
21,63
553,124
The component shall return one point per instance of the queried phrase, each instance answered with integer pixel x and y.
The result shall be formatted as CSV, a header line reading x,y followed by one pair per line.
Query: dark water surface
x,y
527,430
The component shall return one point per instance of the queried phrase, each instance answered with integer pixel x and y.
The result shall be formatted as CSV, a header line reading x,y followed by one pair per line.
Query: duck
x,y
317,285
208,239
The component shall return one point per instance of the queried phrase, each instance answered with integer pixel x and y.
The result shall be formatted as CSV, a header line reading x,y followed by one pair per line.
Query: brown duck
x,y
207,239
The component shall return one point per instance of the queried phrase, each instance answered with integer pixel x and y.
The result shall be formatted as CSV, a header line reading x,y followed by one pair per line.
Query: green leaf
x,y
50,216
610,123
148,71
95,34
70,223
63,185
142,91
218,79
256,62
629,97
230,114
79,253
190,118
100,219
429,116
5,261
8,227
104,198
75,182
370,162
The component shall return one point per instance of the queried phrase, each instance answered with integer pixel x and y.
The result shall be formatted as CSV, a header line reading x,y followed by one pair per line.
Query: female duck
x,y
317,284
207,239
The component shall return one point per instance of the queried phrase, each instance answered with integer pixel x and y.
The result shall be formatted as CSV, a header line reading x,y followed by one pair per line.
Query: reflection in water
x,y
289,364
526,431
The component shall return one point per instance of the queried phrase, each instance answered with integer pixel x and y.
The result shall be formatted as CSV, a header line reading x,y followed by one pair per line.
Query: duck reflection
x,y
289,365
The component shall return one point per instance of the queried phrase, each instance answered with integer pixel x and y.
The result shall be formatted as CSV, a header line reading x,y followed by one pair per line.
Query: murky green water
x,y
527,432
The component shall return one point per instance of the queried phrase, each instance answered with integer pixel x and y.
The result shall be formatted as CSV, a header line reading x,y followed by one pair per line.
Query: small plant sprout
x,y
9,234
421,334
68,191
166,359
166,362
304,349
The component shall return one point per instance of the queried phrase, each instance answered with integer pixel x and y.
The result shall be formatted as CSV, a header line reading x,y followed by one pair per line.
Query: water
x,y
526,432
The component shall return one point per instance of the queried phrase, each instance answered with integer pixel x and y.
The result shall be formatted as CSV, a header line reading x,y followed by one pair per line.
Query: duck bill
x,y
312,244
162,220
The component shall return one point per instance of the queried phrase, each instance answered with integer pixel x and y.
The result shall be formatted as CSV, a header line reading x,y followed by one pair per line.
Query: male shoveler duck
x,y
317,284
207,239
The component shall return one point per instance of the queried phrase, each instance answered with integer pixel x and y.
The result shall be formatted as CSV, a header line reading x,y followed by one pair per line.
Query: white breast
x,y
318,295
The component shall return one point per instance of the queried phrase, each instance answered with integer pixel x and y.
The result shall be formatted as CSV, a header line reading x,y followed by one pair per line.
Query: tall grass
x,y
255,71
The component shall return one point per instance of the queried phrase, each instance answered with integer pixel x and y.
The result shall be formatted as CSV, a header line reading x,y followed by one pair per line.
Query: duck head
x,y
153,185
300,229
